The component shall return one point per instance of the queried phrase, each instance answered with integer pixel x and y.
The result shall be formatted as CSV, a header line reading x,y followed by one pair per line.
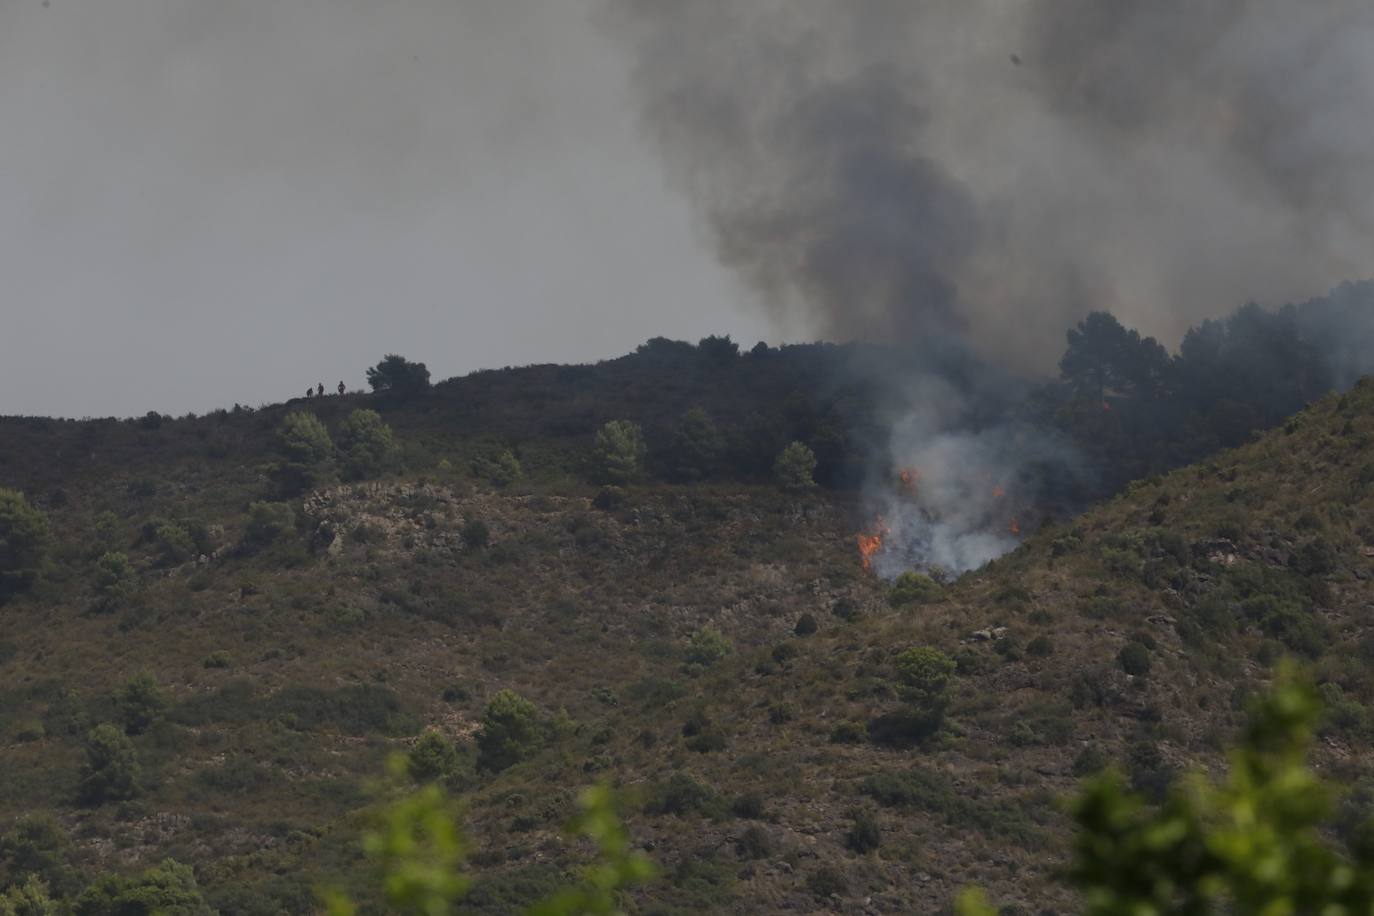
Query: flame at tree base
x,y
870,544
954,529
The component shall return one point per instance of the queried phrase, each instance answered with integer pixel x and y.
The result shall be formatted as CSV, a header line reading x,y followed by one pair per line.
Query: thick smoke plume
x,y
905,168
980,174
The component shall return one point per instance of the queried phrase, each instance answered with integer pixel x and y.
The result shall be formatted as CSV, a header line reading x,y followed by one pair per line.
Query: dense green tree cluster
x,y
36,850
399,377
141,701
795,468
167,889
309,457
619,452
111,771
509,733
923,677
116,581
497,465
24,541
31,898
1137,410
307,454
698,446
366,445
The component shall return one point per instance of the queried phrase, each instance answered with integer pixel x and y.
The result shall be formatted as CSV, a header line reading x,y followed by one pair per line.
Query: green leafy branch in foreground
x,y
1248,844
617,868
419,850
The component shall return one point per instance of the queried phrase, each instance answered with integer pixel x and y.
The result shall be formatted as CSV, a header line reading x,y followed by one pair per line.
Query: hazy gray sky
x,y
211,201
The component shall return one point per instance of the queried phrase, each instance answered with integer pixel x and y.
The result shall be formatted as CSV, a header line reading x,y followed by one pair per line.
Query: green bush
x,y
116,581
846,610
706,647
754,843
140,702
618,453
169,888
698,446
367,445
827,881
748,806
719,351
236,775
111,771
923,676
30,898
1090,761
919,787
847,733
1134,659
37,848
865,835
307,454
432,758
355,709
174,543
609,499
914,588
25,536
509,732
795,468
217,659
498,466
681,795
806,625
476,534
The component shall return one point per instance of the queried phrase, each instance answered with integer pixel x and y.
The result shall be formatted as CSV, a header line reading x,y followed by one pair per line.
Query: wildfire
x,y
908,477
870,543
1014,527
998,493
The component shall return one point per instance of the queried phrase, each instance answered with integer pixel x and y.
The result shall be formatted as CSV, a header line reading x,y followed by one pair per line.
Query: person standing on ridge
x,y
320,393
342,389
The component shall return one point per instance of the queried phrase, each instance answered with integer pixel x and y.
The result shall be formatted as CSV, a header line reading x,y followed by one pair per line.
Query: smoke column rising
x,y
976,175
896,169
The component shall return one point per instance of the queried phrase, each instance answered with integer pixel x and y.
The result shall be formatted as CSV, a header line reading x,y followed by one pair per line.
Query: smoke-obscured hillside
x,y
260,606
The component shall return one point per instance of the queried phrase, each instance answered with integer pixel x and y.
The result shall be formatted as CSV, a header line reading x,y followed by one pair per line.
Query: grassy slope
x,y
335,660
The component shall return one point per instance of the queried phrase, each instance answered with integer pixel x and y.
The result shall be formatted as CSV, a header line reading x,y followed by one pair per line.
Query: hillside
x,y
773,770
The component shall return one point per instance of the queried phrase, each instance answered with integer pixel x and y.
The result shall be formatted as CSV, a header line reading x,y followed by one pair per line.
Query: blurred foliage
x,y
419,850
1252,842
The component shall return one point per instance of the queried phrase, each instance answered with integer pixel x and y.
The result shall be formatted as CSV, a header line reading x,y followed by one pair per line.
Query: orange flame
x,y
1014,527
908,478
872,542
998,493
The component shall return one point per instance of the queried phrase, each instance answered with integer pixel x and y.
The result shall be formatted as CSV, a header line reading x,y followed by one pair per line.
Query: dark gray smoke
x,y
905,168
979,174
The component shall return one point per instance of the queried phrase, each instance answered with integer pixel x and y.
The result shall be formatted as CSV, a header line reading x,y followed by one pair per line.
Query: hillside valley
x,y
701,635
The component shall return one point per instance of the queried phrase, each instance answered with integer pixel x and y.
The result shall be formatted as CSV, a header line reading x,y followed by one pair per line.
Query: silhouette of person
x,y
310,392
321,391
342,389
